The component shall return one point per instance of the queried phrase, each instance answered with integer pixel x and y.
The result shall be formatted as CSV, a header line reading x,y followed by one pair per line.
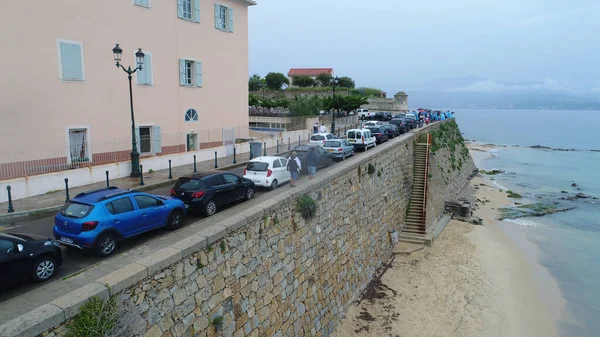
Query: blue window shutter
x,y
197,10
217,17
148,68
230,19
137,139
182,76
180,9
141,74
157,139
198,74
72,65
145,3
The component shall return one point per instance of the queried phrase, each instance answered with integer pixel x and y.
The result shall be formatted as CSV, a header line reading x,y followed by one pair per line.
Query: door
x,y
125,218
229,141
323,157
277,170
152,211
285,174
221,193
234,184
14,265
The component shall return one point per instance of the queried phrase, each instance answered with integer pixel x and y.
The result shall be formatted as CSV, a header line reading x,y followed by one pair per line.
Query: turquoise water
x,y
569,242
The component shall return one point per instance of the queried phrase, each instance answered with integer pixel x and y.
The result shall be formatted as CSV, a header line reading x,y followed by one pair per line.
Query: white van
x,y
361,138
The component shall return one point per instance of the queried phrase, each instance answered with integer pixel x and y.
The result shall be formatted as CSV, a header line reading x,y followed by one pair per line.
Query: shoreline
x,y
475,281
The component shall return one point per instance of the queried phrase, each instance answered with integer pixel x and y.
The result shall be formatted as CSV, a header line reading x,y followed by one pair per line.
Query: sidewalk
x,y
44,204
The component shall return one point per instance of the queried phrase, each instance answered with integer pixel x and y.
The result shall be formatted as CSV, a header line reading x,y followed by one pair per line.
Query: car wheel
x,y
44,268
249,193
175,219
274,184
106,245
210,208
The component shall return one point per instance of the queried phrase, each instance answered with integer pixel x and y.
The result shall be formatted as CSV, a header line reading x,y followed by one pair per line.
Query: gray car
x,y
339,148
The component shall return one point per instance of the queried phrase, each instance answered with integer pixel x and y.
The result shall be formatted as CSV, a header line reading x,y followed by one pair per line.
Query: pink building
x,y
64,104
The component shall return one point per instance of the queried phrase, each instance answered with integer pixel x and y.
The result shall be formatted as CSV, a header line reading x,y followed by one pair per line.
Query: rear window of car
x,y
257,166
332,144
351,135
317,137
374,130
189,184
75,210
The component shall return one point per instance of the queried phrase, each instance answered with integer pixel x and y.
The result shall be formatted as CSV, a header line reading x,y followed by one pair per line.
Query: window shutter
x,y
197,10
137,139
182,72
72,67
141,76
198,74
156,139
148,69
180,9
145,3
217,17
230,19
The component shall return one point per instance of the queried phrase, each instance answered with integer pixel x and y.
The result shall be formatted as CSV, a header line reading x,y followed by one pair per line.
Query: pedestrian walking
x,y
316,128
323,128
311,162
294,166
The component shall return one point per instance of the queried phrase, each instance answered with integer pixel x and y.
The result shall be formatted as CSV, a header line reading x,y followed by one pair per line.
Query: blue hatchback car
x,y
98,220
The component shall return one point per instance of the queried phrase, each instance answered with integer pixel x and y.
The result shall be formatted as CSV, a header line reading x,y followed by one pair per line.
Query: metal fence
x,y
83,152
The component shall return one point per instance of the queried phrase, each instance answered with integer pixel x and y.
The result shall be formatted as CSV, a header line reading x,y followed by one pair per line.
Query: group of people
x,y
424,117
294,166
319,129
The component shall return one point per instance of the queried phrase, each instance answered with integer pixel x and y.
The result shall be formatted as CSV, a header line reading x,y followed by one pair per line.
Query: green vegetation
x,y
255,82
276,81
512,194
209,248
371,169
52,191
305,106
379,173
422,138
369,92
324,80
216,322
537,209
222,246
447,135
303,81
199,264
96,318
492,172
346,82
307,207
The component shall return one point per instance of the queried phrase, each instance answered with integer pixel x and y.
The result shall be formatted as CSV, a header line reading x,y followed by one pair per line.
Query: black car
x,y
324,158
379,133
382,116
391,130
401,123
207,192
27,256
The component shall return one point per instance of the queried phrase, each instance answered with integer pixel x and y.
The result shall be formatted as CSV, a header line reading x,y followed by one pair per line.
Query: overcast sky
x,y
398,44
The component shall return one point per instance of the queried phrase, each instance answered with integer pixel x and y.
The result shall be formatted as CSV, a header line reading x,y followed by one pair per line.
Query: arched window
x,y
191,116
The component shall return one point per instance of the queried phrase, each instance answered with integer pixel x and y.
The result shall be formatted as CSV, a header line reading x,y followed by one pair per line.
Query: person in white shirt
x,y
323,129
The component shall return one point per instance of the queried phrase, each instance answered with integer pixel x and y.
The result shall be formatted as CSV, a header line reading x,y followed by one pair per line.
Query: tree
x,y
305,106
303,81
352,102
324,80
275,81
255,82
346,82
253,100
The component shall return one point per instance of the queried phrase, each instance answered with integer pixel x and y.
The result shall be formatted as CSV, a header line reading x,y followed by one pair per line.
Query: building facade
x,y
64,102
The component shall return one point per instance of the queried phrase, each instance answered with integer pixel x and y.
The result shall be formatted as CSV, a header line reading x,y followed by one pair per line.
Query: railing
x,y
426,177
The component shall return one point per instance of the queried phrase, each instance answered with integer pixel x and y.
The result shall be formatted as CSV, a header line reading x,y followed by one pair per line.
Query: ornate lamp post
x,y
135,155
334,83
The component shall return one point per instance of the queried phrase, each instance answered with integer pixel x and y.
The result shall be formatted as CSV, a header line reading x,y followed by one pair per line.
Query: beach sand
x,y
474,281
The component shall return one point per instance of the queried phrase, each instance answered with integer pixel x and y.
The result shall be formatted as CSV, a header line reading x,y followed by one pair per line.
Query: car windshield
x,y
374,130
332,144
189,184
75,210
317,137
257,166
351,134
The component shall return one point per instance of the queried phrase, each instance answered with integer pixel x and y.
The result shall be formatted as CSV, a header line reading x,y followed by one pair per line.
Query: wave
x,y
523,222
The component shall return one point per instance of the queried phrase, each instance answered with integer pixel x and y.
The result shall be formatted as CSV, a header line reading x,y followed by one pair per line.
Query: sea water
x,y
569,242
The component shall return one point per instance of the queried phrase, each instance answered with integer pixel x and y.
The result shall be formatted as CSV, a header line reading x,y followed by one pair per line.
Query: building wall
x,y
36,106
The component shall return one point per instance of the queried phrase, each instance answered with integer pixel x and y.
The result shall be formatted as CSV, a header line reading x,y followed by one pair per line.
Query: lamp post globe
x,y
117,53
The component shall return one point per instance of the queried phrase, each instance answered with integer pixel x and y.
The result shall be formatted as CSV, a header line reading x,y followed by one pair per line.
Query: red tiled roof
x,y
309,71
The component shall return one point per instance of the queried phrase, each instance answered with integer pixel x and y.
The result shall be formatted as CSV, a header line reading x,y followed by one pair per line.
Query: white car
x,y
372,124
268,171
320,138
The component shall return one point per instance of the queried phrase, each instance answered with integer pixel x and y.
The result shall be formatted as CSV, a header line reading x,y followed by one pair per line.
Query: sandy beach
x,y
475,281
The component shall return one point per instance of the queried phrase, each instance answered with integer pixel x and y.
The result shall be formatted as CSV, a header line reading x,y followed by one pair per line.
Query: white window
x,y
145,139
191,115
149,139
78,145
192,142
144,76
223,18
188,10
190,73
70,60
143,3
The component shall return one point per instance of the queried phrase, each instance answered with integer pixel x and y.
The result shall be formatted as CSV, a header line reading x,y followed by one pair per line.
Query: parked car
x,y
364,114
27,256
382,116
324,159
379,133
267,171
401,123
391,130
361,138
339,148
320,138
412,120
372,124
208,191
99,220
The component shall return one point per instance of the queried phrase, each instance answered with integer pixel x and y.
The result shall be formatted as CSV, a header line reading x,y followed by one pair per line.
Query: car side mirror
x,y
20,247
159,203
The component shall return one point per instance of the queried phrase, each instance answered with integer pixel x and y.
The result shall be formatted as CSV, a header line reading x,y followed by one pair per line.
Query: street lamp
x,y
139,56
334,83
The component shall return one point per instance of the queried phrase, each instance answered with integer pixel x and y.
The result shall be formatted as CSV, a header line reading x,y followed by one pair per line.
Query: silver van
x,y
361,138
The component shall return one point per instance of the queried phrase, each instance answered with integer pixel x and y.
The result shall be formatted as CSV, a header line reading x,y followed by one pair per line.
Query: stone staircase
x,y
414,227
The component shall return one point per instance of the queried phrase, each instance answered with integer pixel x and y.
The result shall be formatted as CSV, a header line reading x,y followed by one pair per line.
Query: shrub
x,y
276,81
307,207
96,318
371,169
222,246
217,323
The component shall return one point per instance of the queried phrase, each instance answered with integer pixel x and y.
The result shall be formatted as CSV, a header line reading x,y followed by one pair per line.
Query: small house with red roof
x,y
311,72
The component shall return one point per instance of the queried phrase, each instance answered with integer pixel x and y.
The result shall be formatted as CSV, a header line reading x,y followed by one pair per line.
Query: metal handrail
x,y
425,180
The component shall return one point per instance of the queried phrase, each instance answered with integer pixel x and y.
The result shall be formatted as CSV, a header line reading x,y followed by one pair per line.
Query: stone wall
x,y
397,104
450,168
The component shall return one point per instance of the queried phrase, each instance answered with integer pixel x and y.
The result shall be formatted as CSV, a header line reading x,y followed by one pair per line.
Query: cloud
x,y
547,84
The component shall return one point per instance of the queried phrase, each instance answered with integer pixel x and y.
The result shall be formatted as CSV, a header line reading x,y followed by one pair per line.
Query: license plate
x,y
66,240
330,150
256,181
351,140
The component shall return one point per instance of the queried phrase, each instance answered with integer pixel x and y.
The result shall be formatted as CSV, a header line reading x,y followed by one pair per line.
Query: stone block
x,y
34,322
253,214
71,302
190,245
160,260
213,233
233,223
122,278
